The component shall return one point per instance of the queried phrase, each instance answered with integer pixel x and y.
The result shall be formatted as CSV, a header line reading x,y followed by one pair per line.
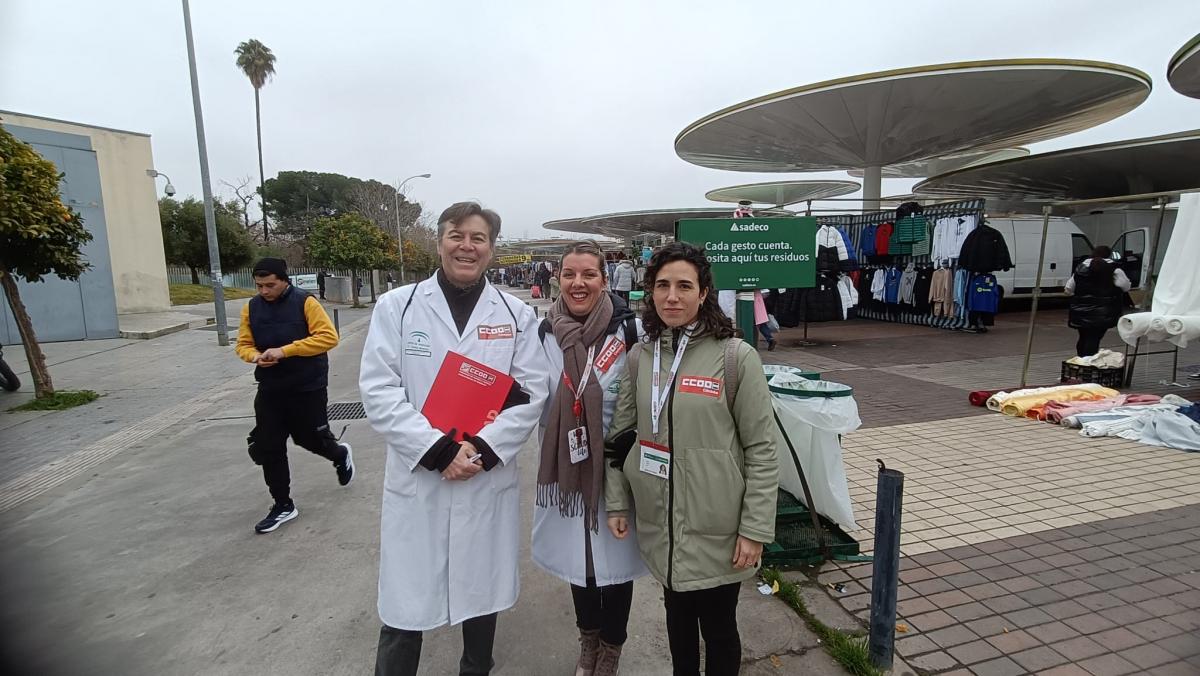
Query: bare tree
x,y
377,203
245,195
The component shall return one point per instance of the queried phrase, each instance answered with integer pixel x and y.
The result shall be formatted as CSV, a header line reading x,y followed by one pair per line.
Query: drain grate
x,y
347,410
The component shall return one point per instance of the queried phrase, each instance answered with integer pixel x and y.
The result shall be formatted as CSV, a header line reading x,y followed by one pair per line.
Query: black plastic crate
x,y
1079,373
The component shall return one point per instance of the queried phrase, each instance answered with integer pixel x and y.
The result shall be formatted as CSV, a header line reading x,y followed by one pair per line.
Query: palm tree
x,y
258,63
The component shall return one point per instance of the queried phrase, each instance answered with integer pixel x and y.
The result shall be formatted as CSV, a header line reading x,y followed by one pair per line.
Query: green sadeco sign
x,y
756,253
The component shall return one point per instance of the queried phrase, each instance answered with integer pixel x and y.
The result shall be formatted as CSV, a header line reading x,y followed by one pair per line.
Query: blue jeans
x,y
767,332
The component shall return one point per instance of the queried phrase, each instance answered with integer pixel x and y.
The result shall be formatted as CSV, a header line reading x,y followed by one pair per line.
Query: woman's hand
x,y
746,554
618,526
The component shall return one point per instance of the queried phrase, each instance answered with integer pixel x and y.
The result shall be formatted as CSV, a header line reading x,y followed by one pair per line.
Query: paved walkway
x,y
1027,548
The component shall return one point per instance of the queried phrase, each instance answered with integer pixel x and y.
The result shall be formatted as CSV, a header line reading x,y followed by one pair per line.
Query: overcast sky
x,y
541,110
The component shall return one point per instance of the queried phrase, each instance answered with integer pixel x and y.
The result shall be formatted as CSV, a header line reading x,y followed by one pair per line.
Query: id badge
x,y
655,459
577,442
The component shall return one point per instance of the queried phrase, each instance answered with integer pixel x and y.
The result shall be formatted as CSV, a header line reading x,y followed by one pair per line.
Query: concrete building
x,y
106,181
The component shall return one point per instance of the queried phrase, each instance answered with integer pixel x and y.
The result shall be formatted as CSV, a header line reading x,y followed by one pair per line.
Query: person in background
x,y
286,334
321,284
1096,289
588,332
762,320
622,277
555,285
451,519
695,467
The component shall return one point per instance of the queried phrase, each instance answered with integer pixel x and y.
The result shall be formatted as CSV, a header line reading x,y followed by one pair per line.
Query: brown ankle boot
x,y
589,646
608,658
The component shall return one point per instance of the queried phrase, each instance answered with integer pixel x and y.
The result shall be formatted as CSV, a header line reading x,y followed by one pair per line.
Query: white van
x,y
1066,247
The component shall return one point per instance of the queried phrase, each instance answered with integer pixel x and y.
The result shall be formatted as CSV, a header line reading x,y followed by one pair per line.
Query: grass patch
x,y
194,294
59,401
848,650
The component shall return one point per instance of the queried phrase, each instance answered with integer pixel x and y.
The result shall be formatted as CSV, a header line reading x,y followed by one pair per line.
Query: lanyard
x,y
659,399
577,406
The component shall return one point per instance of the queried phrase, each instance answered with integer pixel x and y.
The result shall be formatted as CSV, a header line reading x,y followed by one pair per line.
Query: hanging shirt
x,y
849,245
908,280
878,285
883,234
892,286
961,278
866,240
983,294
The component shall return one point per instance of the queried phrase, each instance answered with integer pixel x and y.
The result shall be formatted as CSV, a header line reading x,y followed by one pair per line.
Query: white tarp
x,y
1175,309
813,422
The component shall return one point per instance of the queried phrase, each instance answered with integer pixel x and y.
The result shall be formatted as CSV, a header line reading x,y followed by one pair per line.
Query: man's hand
x,y
461,469
260,360
747,553
618,526
271,354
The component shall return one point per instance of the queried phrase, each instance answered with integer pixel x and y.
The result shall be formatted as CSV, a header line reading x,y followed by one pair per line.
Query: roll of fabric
x,y
1157,332
1134,326
1017,403
1181,329
1056,411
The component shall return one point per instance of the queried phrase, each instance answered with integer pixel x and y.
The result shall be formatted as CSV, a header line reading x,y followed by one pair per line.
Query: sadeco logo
x,y
749,227
418,345
709,387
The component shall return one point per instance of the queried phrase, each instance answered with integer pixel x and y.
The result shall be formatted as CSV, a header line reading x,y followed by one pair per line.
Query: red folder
x,y
464,395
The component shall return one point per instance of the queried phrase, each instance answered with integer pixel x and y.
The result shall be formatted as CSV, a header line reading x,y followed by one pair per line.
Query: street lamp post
x,y
399,236
210,219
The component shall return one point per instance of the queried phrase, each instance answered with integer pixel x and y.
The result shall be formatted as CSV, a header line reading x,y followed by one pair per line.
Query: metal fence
x,y
243,278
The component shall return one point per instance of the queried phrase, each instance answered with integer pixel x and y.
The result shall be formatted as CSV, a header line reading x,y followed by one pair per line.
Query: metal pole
x,y
337,325
399,237
889,499
744,310
1037,294
1148,297
210,219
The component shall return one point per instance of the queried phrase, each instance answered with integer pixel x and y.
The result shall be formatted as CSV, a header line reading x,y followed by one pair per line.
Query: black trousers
x,y
303,417
399,652
1089,341
713,613
623,294
605,609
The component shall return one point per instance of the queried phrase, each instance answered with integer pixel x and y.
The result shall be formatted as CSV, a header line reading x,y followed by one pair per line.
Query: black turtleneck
x,y
461,301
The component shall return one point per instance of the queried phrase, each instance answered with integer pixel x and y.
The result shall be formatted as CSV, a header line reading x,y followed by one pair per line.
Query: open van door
x,y
1131,247
1081,249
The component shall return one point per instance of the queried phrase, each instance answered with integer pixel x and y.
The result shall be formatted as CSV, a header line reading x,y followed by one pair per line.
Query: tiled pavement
x,y
1026,547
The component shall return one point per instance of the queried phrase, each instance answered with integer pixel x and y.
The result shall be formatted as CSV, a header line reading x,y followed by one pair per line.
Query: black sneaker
x,y
278,515
345,469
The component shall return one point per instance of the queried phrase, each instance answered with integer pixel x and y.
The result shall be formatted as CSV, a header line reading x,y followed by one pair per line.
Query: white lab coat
x,y
558,544
448,549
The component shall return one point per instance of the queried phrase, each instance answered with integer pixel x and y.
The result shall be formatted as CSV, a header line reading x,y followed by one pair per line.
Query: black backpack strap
x,y
544,328
631,337
410,300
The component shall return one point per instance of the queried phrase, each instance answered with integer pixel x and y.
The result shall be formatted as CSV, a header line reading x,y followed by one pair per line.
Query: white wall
x,y
139,266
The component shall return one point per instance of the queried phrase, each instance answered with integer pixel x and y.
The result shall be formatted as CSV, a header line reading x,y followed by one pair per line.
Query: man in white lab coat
x,y
449,538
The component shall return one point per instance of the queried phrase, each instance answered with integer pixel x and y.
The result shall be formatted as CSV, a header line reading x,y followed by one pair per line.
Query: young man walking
x,y
286,334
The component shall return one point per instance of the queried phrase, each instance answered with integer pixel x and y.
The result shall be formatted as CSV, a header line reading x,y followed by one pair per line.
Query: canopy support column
x,y
872,187
1037,294
1152,252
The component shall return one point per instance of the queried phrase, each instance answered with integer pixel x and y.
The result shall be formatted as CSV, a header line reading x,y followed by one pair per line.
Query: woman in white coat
x,y
449,537
587,334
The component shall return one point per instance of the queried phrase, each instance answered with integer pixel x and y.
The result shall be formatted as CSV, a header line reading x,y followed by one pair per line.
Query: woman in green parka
x,y
693,462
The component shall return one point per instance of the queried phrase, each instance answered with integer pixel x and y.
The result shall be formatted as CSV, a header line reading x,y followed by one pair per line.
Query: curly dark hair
x,y
712,321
